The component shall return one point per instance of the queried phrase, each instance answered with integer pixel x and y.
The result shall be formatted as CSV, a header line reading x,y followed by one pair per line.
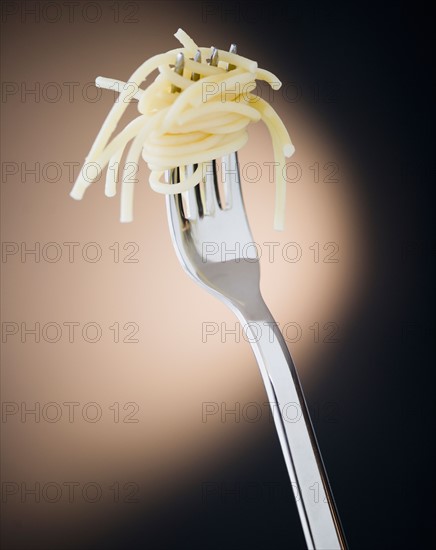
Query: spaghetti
x,y
204,119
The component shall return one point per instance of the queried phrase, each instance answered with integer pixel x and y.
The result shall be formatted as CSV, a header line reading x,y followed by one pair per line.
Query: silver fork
x,y
206,229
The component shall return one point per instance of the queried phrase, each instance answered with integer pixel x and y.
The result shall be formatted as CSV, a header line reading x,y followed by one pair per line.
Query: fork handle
x,y
316,507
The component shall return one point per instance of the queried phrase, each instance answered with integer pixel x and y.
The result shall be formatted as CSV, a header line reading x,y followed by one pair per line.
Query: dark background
x,y
373,63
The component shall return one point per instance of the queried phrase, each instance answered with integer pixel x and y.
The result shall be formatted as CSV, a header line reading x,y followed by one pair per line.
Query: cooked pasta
x,y
189,118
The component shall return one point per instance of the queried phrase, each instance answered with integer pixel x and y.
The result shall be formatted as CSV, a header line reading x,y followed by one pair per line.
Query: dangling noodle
x,y
205,120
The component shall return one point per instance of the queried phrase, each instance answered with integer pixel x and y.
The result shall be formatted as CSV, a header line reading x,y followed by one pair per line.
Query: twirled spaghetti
x,y
205,119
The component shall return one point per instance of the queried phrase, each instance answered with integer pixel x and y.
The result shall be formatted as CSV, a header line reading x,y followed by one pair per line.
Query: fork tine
x,y
192,196
174,203
227,178
233,49
194,208
178,68
209,191
197,58
211,168
230,167
232,182
214,57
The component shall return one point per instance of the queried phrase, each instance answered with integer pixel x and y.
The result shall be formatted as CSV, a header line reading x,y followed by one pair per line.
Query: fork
x,y
207,227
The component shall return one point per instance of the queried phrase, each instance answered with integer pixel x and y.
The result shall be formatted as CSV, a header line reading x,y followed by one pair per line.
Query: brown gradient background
x,y
170,372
